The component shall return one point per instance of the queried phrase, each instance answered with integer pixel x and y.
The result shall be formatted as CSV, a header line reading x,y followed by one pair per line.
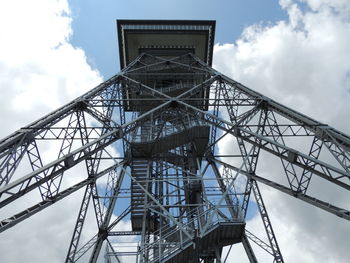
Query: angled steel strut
x,y
143,148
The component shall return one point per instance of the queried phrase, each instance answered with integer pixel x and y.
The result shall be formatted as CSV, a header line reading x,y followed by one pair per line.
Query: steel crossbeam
x,y
259,242
107,217
248,249
177,189
341,212
15,219
91,189
324,170
26,183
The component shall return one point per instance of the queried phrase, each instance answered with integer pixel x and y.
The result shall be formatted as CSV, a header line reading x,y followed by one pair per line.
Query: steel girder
x,y
257,122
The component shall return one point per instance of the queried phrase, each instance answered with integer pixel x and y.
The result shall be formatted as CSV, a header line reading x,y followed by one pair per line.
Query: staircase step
x,y
139,171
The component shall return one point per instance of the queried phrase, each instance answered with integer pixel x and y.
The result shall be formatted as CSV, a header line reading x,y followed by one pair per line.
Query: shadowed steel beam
x,y
341,212
248,249
103,233
66,162
155,95
262,244
324,170
15,219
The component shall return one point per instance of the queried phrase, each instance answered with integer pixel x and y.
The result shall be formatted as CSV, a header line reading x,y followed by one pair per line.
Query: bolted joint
x,y
320,132
102,233
264,104
237,132
69,161
174,104
81,105
29,136
250,175
292,156
119,133
297,193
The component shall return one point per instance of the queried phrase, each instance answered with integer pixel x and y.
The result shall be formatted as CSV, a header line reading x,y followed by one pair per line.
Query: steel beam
x,y
254,120
267,223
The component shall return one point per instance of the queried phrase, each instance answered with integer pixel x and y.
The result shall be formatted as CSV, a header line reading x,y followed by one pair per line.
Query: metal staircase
x,y
185,205
151,140
156,139
140,172
193,239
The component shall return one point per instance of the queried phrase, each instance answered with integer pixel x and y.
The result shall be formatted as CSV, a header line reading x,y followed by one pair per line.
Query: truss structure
x,y
143,146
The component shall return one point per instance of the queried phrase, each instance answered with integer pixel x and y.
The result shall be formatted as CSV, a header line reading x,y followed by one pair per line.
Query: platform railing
x,y
154,132
172,239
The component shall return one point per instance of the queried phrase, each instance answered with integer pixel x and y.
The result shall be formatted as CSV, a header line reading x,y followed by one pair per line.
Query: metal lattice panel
x,y
186,202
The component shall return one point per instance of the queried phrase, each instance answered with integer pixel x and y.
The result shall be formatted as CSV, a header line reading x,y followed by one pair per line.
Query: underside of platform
x,y
220,235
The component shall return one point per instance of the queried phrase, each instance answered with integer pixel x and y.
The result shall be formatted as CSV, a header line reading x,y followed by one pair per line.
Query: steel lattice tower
x,y
167,111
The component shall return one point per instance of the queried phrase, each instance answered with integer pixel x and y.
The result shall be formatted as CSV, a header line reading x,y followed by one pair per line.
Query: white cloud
x,y
308,54
40,70
286,62
303,63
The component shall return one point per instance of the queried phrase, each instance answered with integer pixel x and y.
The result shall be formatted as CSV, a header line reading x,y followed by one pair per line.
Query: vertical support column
x,y
218,252
314,152
146,221
90,191
267,223
79,225
107,257
10,160
103,232
288,166
222,185
249,250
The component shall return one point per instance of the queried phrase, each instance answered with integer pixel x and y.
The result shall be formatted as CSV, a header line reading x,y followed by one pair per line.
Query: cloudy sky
x,y
296,52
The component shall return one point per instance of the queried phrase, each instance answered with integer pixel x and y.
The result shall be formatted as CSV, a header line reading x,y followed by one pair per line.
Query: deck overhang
x,y
165,38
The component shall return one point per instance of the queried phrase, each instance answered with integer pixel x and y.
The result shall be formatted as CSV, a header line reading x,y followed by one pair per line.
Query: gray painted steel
x,y
186,202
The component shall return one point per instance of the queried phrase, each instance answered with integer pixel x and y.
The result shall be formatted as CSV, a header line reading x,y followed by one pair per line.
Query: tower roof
x,y
165,38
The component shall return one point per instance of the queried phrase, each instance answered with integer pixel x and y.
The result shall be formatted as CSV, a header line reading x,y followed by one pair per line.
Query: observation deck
x,y
164,40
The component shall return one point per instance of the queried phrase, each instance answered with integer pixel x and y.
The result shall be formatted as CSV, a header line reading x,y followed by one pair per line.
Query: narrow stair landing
x,y
197,134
